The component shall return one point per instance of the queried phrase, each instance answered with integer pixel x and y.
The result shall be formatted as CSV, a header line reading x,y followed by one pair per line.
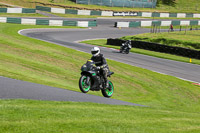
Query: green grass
x,y
29,59
174,103
20,116
21,15
102,42
180,6
187,39
4,6
74,16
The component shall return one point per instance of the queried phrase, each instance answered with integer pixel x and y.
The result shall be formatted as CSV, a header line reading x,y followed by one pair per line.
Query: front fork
x,y
88,80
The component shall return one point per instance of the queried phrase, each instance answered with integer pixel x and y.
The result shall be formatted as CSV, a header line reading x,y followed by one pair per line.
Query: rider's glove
x,y
98,67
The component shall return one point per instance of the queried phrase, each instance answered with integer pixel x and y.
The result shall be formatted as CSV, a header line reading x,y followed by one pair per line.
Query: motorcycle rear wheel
x,y
108,92
84,87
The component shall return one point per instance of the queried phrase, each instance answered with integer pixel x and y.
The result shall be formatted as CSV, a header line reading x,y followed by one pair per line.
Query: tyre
x,y
108,92
83,85
121,49
127,51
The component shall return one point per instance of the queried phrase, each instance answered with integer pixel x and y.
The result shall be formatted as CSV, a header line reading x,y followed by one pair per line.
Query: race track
x,y
11,88
70,37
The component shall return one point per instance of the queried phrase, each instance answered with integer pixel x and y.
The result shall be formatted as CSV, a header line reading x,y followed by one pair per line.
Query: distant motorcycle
x,y
126,47
92,80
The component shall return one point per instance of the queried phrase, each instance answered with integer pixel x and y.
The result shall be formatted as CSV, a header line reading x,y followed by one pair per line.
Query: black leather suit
x,y
100,61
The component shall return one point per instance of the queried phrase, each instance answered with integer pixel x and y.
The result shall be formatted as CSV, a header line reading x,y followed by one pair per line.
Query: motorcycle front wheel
x,y
108,92
127,51
83,85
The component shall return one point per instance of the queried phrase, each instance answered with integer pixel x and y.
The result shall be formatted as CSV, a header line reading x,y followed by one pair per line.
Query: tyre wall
x,y
158,48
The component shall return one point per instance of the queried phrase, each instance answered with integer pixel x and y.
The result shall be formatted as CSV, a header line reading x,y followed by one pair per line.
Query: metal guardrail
x,y
48,22
156,23
111,13
17,10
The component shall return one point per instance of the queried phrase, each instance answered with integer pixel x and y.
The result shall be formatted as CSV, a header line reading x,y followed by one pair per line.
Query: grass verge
x,y
102,42
186,39
174,103
21,15
20,116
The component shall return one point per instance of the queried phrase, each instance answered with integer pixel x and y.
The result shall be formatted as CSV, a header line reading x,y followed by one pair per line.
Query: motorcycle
x,y
91,79
125,48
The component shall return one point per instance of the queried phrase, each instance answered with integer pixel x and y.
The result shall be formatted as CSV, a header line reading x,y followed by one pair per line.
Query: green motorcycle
x,y
92,80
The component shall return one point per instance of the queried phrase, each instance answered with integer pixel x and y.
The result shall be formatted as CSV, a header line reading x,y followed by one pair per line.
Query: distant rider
x,y
127,44
100,63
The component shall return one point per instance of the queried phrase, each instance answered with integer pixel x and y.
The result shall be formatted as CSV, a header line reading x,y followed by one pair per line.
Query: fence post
x,y
185,29
156,29
153,28
191,27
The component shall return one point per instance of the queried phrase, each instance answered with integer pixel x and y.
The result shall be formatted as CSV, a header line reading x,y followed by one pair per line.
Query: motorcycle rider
x,y
100,63
127,44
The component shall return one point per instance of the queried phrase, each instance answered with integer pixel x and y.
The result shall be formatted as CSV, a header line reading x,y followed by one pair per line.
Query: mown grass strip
x,y
19,116
21,15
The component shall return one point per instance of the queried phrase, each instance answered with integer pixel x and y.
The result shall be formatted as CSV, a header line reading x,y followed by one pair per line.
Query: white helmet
x,y
95,51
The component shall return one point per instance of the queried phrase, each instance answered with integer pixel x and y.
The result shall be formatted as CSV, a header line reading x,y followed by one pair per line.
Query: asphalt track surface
x,y
15,89
70,38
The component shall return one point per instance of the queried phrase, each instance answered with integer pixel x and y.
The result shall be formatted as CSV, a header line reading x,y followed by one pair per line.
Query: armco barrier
x,y
158,48
17,10
48,22
42,22
42,8
69,23
28,21
156,23
72,11
111,13
167,15
14,20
